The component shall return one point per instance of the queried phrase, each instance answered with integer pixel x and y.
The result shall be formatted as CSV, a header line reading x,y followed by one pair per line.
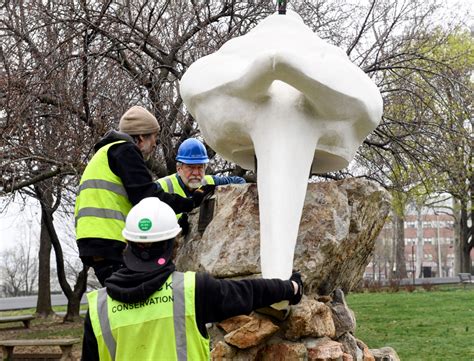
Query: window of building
x,y
427,240
427,224
410,224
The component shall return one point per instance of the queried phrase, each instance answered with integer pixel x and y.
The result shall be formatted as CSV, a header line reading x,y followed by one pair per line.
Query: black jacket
x,y
216,300
126,161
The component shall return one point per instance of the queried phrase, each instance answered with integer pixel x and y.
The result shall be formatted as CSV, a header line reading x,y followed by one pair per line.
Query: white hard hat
x,y
149,221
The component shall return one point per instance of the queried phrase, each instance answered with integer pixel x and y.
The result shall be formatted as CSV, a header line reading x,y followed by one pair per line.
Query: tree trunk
x,y
419,242
43,305
399,234
73,296
465,259
74,302
457,239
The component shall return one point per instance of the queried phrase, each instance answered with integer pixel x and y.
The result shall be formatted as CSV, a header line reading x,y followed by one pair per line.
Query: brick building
x,y
438,243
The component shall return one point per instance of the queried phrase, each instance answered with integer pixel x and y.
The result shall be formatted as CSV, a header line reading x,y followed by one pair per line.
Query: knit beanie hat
x,y
137,120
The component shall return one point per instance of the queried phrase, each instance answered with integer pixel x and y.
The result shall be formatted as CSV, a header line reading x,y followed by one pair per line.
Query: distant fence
x,y
19,303
416,281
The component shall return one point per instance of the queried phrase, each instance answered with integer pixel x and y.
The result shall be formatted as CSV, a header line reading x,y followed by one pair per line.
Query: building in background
x,y
436,248
438,245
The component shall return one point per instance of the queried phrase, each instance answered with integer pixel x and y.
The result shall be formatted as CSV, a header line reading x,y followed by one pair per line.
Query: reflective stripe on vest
x,y
102,184
188,342
105,323
100,213
102,203
179,316
170,184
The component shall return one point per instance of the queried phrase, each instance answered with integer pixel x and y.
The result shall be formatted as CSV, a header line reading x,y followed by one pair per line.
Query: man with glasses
x,y
191,163
115,179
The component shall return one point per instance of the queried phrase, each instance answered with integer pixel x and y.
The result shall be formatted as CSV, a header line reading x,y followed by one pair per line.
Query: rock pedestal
x,y
337,233
309,333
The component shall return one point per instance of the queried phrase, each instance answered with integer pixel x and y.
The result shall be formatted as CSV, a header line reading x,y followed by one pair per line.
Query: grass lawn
x,y
422,325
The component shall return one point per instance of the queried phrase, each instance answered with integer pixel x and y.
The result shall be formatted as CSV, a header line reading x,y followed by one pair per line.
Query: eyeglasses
x,y
194,167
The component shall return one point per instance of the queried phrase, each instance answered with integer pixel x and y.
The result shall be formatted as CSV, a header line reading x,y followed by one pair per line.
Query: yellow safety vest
x,y
170,184
102,202
162,327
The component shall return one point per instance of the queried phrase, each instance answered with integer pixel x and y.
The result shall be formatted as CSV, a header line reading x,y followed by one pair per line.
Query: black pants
x,y
103,269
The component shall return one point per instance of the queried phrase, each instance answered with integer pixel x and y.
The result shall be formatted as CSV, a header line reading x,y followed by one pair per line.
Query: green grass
x,y
435,325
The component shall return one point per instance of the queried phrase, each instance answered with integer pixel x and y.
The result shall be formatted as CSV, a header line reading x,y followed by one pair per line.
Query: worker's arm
x,y
219,181
90,349
176,202
217,299
126,161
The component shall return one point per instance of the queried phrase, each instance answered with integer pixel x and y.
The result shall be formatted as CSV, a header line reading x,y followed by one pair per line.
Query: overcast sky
x,y
18,224
15,224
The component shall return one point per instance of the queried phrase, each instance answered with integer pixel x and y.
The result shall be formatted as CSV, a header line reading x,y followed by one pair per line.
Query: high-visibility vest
x,y
102,202
170,184
162,327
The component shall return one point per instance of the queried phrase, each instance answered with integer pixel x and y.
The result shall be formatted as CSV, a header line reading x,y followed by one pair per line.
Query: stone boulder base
x,y
282,351
234,323
385,354
251,333
323,349
312,337
337,233
344,318
338,228
310,319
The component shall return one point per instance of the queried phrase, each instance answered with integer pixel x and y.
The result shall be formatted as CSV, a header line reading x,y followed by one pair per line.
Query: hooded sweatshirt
x,y
216,299
126,161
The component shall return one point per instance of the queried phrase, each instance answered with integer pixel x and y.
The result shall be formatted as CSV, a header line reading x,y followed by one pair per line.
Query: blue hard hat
x,y
192,151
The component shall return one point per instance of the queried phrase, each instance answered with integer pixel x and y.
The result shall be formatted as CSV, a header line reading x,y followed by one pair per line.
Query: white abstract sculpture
x,y
281,94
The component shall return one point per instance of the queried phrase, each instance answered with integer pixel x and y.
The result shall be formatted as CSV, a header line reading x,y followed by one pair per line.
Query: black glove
x,y
296,277
184,224
200,193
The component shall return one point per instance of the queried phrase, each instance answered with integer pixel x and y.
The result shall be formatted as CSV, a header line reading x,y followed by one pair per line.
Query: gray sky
x,y
18,224
15,224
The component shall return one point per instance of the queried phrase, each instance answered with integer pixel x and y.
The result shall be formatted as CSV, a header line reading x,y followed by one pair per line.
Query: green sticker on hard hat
x,y
144,224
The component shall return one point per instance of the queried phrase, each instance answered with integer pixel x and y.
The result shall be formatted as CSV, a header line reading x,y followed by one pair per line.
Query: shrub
x,y
394,285
373,286
428,286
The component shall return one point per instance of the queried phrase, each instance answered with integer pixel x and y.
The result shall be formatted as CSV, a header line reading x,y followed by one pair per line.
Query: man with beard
x,y
191,163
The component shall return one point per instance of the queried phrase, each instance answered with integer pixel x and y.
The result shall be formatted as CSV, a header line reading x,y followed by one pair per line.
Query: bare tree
x,y
41,130
70,70
19,268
